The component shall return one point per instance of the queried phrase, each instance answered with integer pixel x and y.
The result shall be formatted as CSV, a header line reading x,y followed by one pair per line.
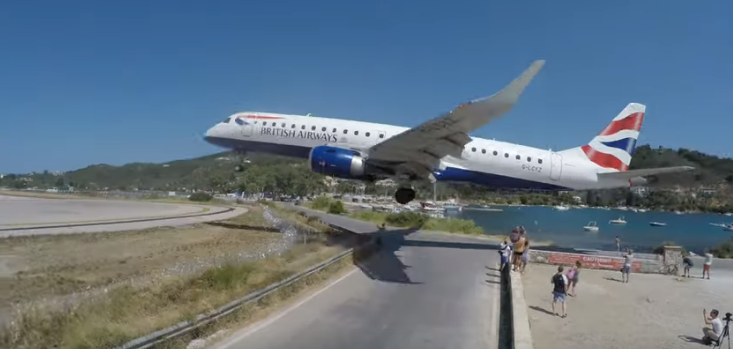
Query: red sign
x,y
592,262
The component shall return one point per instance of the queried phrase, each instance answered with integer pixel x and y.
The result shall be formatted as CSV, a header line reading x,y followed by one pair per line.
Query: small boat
x,y
729,227
562,208
657,224
619,220
591,226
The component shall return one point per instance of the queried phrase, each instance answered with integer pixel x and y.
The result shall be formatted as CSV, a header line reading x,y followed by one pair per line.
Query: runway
x,y
32,216
420,291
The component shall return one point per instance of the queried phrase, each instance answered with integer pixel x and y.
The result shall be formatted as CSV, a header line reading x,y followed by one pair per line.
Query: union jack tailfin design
x,y
613,148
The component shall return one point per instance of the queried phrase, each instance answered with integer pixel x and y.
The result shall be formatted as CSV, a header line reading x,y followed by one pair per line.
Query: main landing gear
x,y
404,195
242,160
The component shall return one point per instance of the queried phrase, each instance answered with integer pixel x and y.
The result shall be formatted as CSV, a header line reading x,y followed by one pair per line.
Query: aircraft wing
x,y
419,150
644,172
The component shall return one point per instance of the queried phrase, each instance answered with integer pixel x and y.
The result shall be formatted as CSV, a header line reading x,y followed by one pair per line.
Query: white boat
x,y
562,208
729,227
657,224
619,221
591,226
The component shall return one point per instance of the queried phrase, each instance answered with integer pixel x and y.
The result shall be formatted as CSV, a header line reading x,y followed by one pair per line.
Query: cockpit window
x,y
226,121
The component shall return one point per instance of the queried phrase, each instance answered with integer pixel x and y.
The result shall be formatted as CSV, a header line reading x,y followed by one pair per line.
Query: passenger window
x,y
539,161
302,127
529,159
274,124
496,153
473,150
334,130
292,126
255,121
346,131
483,151
506,155
518,157
283,125
367,134
313,128
323,129
356,133
381,135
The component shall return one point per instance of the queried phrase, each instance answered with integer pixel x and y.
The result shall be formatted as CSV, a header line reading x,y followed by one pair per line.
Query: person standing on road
x,y
708,263
626,270
559,291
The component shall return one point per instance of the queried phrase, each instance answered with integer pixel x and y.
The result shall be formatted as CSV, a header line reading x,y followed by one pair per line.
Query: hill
x,y
280,174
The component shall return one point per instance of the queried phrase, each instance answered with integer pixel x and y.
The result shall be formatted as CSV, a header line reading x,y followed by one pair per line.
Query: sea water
x,y
565,228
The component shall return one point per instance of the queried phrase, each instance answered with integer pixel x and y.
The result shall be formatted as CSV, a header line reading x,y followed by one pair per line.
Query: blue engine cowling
x,y
338,162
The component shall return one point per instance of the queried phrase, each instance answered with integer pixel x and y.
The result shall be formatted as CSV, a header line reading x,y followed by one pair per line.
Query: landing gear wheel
x,y
404,195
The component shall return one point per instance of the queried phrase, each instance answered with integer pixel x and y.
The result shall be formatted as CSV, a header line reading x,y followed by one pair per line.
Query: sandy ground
x,y
45,266
651,311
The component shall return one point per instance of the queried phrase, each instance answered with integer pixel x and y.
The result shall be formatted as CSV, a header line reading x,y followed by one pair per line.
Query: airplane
x,y
442,150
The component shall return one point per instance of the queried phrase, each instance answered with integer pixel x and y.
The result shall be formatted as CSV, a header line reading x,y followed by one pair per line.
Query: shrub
x,y
321,203
406,219
724,250
336,207
200,197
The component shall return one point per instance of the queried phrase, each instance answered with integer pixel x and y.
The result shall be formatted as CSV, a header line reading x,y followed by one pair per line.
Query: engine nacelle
x,y
338,162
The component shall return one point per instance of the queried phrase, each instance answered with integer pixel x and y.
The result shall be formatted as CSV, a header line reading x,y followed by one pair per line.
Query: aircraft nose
x,y
211,133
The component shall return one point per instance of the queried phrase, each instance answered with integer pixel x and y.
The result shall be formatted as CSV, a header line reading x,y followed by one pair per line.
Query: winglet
x,y
487,108
510,94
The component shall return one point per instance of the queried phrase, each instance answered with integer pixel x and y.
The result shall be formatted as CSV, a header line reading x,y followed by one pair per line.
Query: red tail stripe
x,y
631,122
603,159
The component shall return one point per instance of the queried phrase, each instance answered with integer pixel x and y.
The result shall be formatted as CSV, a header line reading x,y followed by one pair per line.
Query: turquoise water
x,y
565,228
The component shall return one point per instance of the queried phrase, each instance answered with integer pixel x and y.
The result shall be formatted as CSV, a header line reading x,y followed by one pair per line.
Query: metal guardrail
x,y
184,327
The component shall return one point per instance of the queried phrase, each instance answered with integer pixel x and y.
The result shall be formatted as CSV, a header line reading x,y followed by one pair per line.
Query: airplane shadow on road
x,y
384,263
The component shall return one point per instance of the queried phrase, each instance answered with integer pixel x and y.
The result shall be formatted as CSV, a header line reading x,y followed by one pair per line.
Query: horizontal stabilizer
x,y
644,172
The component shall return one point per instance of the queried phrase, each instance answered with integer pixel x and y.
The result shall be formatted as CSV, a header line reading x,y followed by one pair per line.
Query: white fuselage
x,y
484,162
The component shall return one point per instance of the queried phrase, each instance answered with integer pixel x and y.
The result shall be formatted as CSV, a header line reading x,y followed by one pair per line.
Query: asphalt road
x,y
421,290
24,212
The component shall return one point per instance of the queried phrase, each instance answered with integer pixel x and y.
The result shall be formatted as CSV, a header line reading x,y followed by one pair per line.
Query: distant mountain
x,y
217,170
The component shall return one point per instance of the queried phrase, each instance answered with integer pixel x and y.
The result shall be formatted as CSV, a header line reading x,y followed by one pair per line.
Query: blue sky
x,y
87,82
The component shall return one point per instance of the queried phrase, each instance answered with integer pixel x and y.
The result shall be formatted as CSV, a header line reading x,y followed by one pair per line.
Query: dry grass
x,y
48,266
42,266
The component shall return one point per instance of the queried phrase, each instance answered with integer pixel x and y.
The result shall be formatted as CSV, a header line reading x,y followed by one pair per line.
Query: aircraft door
x,y
247,128
555,166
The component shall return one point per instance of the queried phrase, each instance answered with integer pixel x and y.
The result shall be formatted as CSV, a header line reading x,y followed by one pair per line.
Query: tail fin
x,y
613,148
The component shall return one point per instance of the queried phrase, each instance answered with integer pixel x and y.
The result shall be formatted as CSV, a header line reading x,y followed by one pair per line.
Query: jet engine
x,y
340,163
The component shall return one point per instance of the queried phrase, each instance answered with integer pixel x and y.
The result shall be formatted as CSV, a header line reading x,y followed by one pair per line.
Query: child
x,y
687,261
559,290
525,259
505,251
573,275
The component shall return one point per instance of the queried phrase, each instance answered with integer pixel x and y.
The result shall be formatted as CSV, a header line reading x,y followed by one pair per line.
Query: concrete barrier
x,y
519,318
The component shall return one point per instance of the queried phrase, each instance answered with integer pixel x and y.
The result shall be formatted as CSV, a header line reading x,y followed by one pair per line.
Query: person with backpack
x,y
559,291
